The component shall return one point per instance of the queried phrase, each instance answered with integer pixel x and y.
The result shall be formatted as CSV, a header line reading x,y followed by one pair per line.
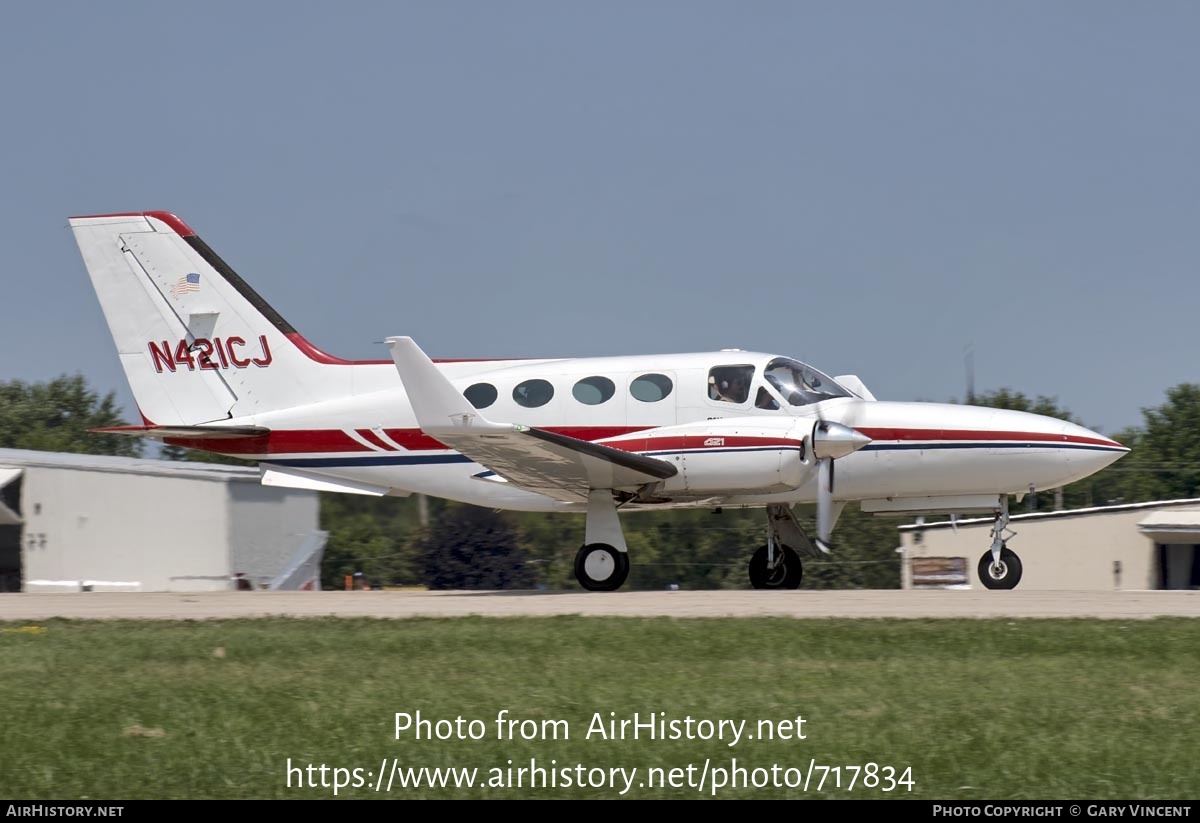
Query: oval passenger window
x,y
533,393
592,391
650,388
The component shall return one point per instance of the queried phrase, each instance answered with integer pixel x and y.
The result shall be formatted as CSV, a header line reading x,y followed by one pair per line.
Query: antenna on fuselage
x,y
969,366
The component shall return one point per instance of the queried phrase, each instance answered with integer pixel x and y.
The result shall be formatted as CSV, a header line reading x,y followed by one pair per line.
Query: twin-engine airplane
x,y
212,366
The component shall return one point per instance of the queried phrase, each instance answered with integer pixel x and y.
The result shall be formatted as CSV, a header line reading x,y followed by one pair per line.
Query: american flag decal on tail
x,y
187,283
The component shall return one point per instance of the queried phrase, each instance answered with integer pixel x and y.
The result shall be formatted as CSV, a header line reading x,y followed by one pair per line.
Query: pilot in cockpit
x,y
729,385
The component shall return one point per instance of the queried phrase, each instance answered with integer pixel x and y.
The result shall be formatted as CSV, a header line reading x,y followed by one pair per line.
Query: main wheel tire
x,y
601,568
1003,575
787,574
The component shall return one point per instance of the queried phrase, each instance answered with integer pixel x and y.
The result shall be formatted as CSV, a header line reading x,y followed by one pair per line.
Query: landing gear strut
x,y
1000,568
602,562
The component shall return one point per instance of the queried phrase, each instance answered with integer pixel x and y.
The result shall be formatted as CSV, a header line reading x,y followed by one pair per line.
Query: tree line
x,y
439,544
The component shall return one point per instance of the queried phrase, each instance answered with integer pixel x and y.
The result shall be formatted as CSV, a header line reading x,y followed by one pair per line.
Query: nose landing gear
x,y
1000,568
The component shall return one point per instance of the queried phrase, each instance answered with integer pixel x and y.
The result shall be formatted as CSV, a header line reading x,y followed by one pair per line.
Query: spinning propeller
x,y
830,441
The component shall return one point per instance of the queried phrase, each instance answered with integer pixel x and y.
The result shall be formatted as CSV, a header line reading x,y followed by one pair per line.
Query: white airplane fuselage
x,y
917,450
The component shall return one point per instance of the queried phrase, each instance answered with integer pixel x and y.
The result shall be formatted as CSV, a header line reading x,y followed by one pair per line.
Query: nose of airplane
x,y
1048,452
1094,450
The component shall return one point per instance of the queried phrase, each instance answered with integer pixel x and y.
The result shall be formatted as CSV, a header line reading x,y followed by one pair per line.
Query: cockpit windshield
x,y
801,384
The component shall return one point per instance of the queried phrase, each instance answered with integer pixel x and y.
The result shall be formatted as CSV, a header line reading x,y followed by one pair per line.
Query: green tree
x,y
372,535
469,547
56,416
1168,448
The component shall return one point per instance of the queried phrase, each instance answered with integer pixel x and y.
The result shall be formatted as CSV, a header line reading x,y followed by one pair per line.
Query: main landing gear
x,y
1000,568
600,567
777,564
602,562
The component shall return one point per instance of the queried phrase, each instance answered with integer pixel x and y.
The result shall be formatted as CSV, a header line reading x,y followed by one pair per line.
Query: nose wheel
x,y
1002,573
1000,568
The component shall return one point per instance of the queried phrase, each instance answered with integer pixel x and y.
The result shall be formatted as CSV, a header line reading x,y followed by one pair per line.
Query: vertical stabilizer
x,y
198,345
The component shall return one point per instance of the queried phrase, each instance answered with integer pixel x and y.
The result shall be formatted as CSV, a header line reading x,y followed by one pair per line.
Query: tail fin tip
x,y
170,219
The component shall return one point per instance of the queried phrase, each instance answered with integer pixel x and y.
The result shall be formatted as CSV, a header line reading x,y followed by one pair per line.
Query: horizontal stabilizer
x,y
187,432
293,479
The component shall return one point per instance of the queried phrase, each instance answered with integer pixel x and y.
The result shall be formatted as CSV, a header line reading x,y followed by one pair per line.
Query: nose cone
x,y
1090,450
833,440
1071,451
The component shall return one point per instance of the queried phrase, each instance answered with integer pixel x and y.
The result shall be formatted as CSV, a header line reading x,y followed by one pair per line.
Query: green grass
x,y
1057,709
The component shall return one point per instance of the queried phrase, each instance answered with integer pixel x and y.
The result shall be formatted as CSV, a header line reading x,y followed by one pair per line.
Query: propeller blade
x,y
830,441
824,503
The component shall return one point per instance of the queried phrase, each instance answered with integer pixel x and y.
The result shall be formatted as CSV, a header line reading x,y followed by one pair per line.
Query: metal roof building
x,y
72,522
1142,546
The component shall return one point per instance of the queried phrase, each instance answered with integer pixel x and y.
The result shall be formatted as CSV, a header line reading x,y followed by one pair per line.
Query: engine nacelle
x,y
750,455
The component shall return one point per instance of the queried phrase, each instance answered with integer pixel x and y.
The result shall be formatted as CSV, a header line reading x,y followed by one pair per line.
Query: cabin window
x,y
650,388
533,393
481,395
730,384
592,391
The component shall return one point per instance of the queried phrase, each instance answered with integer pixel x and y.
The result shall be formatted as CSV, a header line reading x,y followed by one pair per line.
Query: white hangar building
x,y
1136,546
78,522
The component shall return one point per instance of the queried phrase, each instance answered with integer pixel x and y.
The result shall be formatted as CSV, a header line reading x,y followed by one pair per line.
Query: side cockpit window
x,y
730,384
764,400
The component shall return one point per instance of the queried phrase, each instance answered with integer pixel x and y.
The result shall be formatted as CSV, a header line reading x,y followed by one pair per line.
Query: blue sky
x,y
869,186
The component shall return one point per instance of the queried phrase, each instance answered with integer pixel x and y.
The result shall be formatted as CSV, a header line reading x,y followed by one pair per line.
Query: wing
x,y
546,462
556,465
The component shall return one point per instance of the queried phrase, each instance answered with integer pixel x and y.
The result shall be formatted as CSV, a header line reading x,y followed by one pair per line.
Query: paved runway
x,y
399,604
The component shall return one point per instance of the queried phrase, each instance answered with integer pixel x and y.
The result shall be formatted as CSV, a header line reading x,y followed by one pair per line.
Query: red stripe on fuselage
x,y
700,443
300,441
371,437
982,434
323,441
414,440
